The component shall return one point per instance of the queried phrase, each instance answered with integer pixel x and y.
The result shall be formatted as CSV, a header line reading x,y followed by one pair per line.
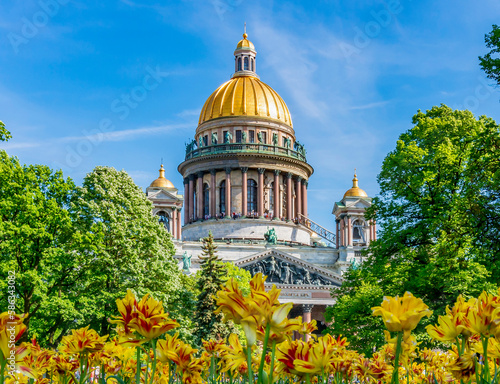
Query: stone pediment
x,y
284,269
359,203
162,195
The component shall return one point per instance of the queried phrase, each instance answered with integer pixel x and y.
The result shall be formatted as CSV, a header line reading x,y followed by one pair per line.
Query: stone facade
x,y
245,181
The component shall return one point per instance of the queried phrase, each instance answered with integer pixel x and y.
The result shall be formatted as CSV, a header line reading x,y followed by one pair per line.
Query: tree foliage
x,y
213,274
124,246
490,63
37,241
439,216
75,250
4,133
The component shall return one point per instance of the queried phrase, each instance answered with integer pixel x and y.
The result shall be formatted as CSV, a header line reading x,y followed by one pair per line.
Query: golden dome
x,y
162,182
245,96
355,191
245,43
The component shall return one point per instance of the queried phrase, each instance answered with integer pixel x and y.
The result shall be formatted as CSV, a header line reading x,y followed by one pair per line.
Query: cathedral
x,y
245,180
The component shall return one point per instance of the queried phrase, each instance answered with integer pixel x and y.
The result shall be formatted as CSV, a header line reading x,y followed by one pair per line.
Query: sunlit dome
x,y
355,191
245,94
162,182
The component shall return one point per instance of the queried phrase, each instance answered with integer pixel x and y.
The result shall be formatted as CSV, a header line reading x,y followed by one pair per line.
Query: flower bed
x,y
144,350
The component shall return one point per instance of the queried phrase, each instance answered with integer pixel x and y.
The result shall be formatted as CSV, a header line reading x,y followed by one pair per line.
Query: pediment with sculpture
x,y
288,270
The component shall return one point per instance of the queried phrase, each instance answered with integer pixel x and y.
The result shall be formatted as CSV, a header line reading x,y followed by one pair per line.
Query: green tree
x,y
490,63
37,241
439,216
351,315
124,246
4,133
212,275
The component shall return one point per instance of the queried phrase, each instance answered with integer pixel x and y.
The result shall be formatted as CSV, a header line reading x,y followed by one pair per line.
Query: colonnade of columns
x,y
175,227
345,231
194,185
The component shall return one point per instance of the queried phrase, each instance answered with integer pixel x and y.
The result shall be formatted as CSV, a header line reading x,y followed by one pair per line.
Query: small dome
x,y
355,191
245,43
162,182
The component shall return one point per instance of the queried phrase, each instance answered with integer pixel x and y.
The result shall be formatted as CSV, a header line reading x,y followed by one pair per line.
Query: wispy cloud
x,y
370,105
115,136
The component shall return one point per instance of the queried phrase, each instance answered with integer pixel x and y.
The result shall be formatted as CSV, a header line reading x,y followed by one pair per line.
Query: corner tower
x,y
354,233
244,167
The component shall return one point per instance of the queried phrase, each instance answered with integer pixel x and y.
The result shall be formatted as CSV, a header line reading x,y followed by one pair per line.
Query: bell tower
x,y
354,232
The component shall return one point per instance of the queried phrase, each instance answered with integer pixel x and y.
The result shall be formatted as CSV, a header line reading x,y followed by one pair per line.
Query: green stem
x,y
138,372
395,374
212,368
271,374
170,374
264,352
2,370
308,381
486,366
249,362
153,343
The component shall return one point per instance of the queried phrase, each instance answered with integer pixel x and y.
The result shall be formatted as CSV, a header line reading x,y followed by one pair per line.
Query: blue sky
x,y
353,73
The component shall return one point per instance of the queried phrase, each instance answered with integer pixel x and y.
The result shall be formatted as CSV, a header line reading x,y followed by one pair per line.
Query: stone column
x,y
349,231
342,232
228,192
260,194
191,198
244,191
276,208
306,315
179,231
186,201
298,192
173,223
304,197
289,198
199,195
337,238
213,192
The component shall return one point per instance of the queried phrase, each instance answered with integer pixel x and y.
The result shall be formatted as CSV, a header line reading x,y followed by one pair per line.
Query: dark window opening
x,y
206,200
222,197
251,196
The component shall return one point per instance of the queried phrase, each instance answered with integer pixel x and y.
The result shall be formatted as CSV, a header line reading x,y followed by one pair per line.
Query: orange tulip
x,y
127,308
402,313
11,330
151,320
82,340
296,358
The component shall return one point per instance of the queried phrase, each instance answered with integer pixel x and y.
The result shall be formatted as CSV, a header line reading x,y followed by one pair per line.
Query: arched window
x,y
251,196
358,233
206,200
239,63
253,65
222,197
246,66
164,219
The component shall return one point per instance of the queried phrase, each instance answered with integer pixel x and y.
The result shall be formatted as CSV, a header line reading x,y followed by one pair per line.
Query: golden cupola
x,y
162,182
355,191
244,94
